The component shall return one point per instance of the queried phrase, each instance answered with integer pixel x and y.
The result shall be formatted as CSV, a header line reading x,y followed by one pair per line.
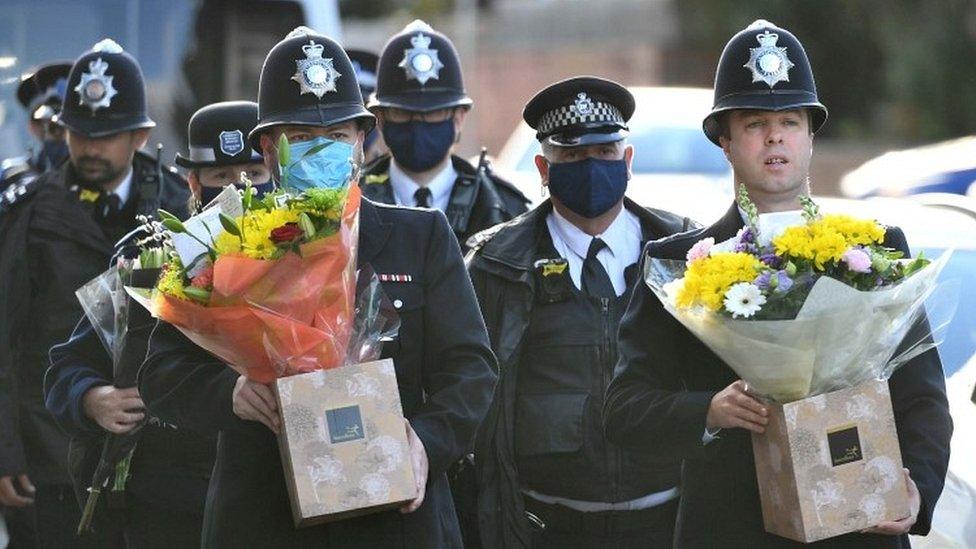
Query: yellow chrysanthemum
x,y
856,232
825,240
171,282
256,226
708,279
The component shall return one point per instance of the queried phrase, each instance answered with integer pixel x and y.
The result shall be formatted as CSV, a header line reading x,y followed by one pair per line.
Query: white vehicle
x,y
674,166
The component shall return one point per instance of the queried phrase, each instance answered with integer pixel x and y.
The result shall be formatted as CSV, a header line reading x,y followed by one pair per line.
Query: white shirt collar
x,y
619,237
125,188
440,186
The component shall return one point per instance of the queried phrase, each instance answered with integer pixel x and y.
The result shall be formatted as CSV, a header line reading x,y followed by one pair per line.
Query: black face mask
x,y
419,146
52,154
588,187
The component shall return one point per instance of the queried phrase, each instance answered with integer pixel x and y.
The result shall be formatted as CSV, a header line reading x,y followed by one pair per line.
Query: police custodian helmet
x,y
764,67
106,93
308,80
218,135
419,70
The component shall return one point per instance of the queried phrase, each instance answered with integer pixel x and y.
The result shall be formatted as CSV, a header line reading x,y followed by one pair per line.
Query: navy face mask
x,y
207,194
419,146
588,187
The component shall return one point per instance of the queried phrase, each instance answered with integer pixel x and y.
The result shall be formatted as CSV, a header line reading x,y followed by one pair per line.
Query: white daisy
x,y
744,299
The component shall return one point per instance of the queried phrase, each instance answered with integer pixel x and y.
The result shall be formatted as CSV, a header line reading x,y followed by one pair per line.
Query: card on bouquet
x,y
830,464
343,442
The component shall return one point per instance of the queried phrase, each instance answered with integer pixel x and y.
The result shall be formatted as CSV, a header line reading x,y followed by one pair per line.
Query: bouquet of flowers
x,y
268,284
124,332
809,306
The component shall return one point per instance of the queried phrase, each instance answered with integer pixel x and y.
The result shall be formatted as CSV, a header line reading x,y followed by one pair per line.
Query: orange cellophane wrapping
x,y
276,318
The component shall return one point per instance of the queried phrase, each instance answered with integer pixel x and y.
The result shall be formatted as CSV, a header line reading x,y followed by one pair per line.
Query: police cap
x,y
419,70
307,80
764,67
106,93
218,135
44,85
582,110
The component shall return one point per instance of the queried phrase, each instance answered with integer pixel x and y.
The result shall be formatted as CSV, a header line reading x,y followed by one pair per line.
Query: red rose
x,y
287,233
204,279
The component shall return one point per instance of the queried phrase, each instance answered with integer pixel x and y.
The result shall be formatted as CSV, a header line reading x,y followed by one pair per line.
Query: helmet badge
x,y
769,62
95,89
231,142
315,74
583,104
421,62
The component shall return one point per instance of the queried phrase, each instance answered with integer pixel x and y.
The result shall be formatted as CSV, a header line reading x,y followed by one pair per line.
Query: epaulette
x,y
476,241
17,191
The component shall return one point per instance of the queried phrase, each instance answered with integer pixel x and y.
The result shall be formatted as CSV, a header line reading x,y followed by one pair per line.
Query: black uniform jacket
x,y
170,466
476,203
501,266
665,380
445,371
50,245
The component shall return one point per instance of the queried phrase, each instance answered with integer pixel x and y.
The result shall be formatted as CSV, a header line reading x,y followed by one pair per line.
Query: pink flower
x,y
857,260
701,249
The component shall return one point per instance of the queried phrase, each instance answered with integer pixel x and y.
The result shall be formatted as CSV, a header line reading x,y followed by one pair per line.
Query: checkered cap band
x,y
569,115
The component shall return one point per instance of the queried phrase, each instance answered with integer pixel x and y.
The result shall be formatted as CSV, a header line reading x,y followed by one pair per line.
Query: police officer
x,y
672,397
170,467
218,152
553,285
59,231
40,93
444,366
365,63
420,104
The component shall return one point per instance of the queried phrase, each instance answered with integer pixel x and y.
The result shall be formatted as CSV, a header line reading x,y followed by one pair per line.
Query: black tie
x,y
422,197
109,205
595,280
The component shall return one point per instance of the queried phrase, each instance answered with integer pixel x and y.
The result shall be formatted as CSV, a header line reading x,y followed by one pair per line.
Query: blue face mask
x,y
419,146
588,187
317,163
207,194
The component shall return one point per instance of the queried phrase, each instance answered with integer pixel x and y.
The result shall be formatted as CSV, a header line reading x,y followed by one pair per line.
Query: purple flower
x,y
783,282
771,260
857,260
762,281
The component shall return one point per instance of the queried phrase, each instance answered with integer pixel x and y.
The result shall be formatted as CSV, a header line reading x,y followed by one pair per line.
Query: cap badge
x,y
231,142
95,89
583,104
769,62
315,74
421,62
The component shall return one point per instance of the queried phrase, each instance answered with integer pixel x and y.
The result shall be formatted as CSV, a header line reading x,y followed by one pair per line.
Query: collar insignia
x,y
315,74
769,62
95,89
420,62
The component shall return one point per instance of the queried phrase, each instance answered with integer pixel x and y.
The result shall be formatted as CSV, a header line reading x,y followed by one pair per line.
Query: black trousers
x,y
565,528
